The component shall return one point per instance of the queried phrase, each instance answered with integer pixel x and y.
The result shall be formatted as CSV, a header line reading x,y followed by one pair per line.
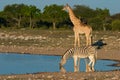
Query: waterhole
x,y
25,63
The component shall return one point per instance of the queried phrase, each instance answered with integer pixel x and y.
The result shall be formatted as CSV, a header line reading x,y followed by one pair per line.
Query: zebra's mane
x,y
68,53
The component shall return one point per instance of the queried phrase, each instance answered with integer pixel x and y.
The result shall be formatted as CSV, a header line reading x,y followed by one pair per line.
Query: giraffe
x,y
79,27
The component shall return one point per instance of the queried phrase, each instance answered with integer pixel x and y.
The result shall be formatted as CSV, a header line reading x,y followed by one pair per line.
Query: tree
x,y
116,16
116,25
98,18
84,11
32,12
3,22
18,12
96,23
15,12
104,15
54,14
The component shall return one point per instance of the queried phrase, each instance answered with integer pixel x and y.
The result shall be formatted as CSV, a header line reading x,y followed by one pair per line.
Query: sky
x,y
112,5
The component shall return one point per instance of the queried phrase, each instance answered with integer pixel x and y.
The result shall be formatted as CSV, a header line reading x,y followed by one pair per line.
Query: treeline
x,y
53,17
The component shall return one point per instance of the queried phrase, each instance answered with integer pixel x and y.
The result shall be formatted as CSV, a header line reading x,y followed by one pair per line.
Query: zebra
x,y
87,52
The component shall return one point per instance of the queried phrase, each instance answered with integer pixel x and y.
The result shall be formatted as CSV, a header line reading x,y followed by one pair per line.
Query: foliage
x,y
102,13
96,18
96,23
33,13
116,25
15,12
84,11
24,16
116,16
18,12
54,14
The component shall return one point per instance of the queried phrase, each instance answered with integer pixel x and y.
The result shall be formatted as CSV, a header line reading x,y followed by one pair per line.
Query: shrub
x,y
116,25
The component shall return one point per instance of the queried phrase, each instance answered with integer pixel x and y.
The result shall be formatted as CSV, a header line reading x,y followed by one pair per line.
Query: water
x,y
24,63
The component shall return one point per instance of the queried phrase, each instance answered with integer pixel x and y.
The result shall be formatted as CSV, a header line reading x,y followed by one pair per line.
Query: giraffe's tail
x,y
91,39
91,36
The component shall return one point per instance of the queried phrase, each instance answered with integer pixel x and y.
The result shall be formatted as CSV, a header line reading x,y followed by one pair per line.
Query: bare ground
x,y
50,44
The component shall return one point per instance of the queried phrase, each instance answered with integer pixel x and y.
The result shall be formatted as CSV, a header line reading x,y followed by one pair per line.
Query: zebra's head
x,y
61,65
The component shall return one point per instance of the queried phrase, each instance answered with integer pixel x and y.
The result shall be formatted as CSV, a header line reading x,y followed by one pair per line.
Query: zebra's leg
x,y
93,63
78,64
87,66
75,64
93,66
90,62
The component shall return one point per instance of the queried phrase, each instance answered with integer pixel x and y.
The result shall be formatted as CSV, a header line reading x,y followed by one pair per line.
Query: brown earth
x,y
111,52
102,53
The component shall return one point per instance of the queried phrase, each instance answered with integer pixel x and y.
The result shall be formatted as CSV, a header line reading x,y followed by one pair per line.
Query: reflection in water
x,y
24,63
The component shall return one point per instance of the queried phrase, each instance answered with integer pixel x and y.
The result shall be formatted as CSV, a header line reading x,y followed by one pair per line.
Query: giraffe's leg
x,y
75,40
75,64
78,63
87,39
78,40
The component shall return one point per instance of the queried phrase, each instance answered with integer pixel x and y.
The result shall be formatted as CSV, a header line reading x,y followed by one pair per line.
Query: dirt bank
x,y
102,53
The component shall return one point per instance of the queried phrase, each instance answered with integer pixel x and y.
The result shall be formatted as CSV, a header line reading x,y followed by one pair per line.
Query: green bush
x,y
116,25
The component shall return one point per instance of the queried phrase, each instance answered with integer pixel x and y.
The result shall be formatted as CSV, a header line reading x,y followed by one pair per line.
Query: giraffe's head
x,y
66,7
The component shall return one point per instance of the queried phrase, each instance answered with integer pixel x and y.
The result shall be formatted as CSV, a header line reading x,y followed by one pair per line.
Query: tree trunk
x,y
30,22
54,25
104,28
19,22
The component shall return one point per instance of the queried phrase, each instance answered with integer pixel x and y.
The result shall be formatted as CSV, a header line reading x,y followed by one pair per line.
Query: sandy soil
x,y
112,54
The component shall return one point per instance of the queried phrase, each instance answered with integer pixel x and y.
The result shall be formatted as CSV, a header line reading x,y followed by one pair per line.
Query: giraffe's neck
x,y
73,18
